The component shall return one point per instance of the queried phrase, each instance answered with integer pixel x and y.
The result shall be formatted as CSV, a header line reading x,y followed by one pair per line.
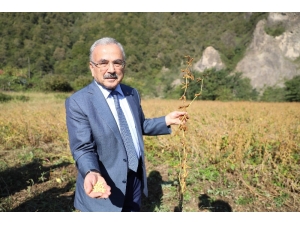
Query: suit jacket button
x,y
125,160
124,181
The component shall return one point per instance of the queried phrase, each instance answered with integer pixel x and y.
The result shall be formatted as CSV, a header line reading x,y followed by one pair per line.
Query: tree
x,y
221,85
56,83
292,89
273,94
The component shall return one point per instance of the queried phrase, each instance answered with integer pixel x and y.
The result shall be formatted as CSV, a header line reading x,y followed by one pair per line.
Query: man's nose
x,y
111,67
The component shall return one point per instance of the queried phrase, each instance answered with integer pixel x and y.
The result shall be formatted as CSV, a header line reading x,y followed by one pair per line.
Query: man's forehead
x,y
111,51
112,47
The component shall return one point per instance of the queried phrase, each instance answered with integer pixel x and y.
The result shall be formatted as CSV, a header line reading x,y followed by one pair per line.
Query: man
x,y
98,146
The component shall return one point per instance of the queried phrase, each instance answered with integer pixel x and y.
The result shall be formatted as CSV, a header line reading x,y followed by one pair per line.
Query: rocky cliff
x,y
269,60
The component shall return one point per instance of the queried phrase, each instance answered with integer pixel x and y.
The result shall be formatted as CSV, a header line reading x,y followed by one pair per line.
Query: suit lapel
x,y
104,112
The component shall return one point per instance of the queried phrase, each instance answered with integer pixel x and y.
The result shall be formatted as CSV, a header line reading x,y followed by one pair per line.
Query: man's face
x,y
109,71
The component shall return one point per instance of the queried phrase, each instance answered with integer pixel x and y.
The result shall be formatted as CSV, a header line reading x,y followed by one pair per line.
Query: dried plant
x,y
183,151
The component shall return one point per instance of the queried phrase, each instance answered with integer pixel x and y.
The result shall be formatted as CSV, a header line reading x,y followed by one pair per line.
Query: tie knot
x,y
114,92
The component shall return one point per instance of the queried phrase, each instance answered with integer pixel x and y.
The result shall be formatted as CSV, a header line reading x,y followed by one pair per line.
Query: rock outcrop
x,y
269,60
210,59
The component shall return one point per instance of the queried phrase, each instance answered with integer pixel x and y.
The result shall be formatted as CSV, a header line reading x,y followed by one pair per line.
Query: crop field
x,y
241,157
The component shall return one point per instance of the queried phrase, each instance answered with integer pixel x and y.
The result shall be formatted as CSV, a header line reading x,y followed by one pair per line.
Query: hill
x,y
35,46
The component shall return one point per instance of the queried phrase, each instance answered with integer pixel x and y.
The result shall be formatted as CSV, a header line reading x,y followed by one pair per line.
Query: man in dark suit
x,y
96,142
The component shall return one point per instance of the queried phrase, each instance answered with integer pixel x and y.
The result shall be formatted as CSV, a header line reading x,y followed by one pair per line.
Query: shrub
x,y
56,83
292,90
275,30
273,94
5,98
22,98
81,82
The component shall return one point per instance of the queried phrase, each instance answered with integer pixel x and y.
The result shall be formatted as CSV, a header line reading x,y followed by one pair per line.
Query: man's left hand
x,y
176,118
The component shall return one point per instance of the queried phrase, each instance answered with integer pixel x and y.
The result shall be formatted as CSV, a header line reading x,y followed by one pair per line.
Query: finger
x,y
104,196
96,195
88,189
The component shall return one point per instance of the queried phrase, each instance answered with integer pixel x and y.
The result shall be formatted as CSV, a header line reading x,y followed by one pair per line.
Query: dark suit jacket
x,y
96,143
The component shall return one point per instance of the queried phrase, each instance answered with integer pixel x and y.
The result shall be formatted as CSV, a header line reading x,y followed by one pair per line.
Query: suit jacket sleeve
x,y
80,138
152,126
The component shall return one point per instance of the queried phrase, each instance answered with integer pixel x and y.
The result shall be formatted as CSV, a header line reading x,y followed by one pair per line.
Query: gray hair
x,y
106,41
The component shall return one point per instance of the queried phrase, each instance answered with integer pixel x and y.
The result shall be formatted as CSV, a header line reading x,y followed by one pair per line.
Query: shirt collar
x,y
106,92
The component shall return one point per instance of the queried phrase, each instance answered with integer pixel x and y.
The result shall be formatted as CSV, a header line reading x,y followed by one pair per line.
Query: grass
x,y
242,157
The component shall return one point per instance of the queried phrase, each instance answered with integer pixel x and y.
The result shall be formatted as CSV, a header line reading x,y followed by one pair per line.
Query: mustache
x,y
110,76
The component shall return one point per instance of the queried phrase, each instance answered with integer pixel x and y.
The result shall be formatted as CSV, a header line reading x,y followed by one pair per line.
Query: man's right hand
x,y
89,182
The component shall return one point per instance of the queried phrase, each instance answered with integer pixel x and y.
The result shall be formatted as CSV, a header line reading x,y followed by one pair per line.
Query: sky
x,y
148,6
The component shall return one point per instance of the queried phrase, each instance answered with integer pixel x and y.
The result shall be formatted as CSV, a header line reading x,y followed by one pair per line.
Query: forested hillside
x,y
49,51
